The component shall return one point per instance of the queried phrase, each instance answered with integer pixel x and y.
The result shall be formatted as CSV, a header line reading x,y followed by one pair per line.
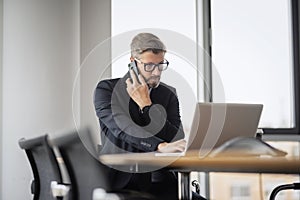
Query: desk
x,y
191,162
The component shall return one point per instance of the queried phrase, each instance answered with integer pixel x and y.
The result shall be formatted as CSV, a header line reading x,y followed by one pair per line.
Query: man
x,y
138,113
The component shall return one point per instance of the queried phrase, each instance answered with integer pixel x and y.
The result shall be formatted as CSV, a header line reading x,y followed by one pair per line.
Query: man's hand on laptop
x,y
177,146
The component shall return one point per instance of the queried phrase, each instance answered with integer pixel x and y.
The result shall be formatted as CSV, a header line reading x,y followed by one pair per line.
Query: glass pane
x,y
235,186
157,16
251,50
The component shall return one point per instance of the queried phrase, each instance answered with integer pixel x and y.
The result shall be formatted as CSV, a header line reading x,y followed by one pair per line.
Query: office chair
x,y
86,172
294,186
44,166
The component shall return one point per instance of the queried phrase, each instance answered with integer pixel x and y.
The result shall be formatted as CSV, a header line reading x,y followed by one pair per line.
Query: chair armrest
x,y
59,190
294,186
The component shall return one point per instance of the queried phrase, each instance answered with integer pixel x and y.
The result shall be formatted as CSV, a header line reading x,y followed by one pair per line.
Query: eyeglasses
x,y
149,67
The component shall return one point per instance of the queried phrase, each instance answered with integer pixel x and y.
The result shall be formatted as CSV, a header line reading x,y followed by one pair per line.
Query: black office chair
x,y
86,172
294,186
44,166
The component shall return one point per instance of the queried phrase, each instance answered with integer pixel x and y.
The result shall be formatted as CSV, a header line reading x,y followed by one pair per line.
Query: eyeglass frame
x,y
165,61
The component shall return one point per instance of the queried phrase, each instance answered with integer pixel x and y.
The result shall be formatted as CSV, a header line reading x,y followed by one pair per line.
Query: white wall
x,y
95,54
1,48
40,59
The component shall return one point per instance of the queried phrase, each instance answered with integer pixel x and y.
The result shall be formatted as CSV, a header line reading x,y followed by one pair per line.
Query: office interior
x,y
53,53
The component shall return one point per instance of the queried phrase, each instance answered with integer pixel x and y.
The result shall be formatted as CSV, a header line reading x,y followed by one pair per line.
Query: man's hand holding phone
x,y
138,89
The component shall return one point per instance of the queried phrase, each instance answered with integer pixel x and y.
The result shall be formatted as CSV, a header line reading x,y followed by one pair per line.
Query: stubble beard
x,y
153,81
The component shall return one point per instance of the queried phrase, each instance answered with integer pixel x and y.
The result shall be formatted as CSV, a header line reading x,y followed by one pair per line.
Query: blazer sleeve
x,y
172,129
118,122
173,124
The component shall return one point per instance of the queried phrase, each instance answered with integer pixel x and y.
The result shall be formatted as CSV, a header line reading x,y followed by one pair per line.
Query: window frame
x,y
295,20
296,74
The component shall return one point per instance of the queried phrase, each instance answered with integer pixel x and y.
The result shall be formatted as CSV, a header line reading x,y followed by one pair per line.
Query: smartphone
x,y
133,66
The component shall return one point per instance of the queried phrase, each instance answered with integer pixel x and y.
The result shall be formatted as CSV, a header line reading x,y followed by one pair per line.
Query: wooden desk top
x,y
192,162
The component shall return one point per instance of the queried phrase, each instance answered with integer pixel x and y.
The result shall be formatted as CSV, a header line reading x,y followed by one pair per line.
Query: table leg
x,y
184,186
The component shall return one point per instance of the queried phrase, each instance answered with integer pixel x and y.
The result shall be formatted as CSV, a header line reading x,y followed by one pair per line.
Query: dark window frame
x,y
295,15
295,48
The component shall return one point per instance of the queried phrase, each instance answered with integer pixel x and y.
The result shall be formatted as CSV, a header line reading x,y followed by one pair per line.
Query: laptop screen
x,y
216,123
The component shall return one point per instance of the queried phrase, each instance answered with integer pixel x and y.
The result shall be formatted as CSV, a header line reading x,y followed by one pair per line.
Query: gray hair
x,y
146,42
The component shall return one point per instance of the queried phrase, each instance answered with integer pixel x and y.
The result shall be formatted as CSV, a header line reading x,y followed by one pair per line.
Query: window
x,y
240,191
254,57
252,54
172,21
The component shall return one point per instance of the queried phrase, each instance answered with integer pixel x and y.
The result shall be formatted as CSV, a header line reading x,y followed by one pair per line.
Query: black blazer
x,y
125,128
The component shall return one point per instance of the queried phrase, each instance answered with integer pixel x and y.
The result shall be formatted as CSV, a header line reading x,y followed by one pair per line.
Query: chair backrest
x,y
79,154
44,166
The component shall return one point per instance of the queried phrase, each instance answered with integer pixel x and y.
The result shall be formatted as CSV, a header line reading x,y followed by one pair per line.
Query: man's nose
x,y
156,71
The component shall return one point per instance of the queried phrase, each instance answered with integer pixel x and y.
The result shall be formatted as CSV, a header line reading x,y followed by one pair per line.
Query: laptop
x,y
215,123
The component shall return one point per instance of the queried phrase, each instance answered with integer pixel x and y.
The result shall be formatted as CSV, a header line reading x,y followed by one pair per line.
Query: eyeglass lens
x,y
151,66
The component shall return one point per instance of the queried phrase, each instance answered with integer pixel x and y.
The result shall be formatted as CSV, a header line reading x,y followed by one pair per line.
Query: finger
x,y
128,82
180,141
182,145
180,149
133,76
142,80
